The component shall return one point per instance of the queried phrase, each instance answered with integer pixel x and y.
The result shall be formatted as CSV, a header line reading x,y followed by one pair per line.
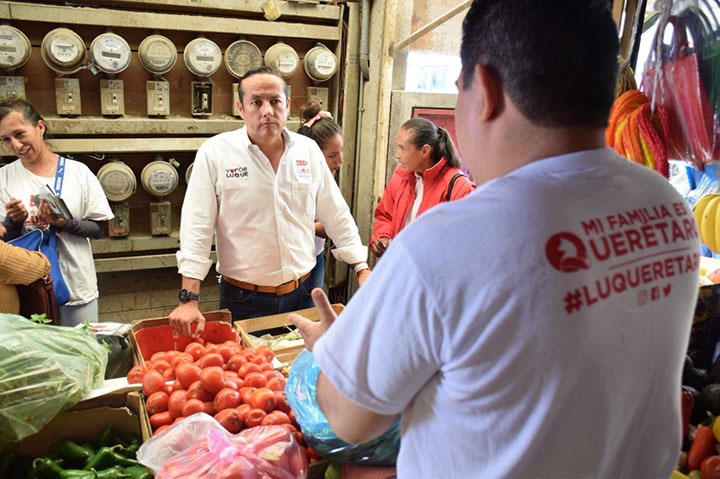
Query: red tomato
x,y
263,398
254,417
152,382
266,367
208,408
259,359
176,402
157,402
213,379
211,359
710,468
256,380
196,391
160,429
136,373
227,352
161,419
211,348
273,373
235,361
276,384
281,403
187,373
243,409
158,355
247,368
246,393
169,374
175,386
181,358
230,419
265,351
226,399
191,407
275,418
195,349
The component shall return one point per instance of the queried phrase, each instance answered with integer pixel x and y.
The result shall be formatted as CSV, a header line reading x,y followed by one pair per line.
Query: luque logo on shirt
x,y
238,172
643,249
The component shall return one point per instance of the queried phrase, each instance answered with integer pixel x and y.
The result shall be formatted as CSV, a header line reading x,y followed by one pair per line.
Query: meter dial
x,y
283,57
242,56
157,54
159,178
110,53
320,63
117,180
63,51
202,57
14,47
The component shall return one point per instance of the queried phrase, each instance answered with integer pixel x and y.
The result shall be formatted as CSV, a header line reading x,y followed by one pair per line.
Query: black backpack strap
x,y
450,186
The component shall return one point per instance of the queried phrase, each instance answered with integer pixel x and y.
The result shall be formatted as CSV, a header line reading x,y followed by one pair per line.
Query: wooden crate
x,y
247,327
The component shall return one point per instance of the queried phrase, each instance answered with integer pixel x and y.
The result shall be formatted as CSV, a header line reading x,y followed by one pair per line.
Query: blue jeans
x,y
317,275
246,303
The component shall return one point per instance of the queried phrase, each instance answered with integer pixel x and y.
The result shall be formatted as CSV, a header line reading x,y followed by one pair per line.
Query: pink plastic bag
x,y
261,452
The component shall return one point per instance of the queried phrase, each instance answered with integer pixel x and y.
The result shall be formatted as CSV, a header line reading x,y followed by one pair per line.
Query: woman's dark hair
x,y
322,129
424,132
24,107
557,59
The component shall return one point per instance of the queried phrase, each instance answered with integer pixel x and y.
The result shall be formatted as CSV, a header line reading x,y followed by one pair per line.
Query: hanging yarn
x,y
637,133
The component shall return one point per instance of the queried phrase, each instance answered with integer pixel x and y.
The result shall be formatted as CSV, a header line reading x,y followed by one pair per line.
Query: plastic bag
x,y
301,393
43,370
199,447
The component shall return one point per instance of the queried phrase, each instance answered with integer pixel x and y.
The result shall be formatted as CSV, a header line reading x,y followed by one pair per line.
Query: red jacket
x,y
399,196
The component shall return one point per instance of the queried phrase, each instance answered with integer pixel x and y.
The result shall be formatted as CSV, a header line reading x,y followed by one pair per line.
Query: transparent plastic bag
x,y
43,370
301,393
199,447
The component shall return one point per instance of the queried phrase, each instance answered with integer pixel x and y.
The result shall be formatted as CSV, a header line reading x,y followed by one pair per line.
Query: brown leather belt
x,y
279,290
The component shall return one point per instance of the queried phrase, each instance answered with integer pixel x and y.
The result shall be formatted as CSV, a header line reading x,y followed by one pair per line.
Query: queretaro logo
x,y
566,252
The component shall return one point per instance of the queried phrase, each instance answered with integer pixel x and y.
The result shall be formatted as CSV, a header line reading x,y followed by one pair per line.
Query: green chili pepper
x,y
108,456
46,468
77,474
138,472
73,451
106,437
115,472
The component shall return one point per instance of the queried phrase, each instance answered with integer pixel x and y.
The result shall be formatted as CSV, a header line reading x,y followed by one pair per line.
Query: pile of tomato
x,y
237,386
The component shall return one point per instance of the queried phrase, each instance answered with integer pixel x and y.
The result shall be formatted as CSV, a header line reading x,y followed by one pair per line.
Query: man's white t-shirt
x,y
539,329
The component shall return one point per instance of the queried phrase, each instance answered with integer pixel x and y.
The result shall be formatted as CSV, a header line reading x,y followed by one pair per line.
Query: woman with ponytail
x,y
428,173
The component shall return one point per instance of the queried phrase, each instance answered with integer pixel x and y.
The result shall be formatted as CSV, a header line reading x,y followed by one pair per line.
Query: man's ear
x,y
491,91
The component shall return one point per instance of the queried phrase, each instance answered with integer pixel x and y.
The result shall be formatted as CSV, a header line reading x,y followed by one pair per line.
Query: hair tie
x,y
321,114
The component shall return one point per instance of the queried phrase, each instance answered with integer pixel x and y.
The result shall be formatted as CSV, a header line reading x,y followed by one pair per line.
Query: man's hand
x,y
183,317
311,330
379,246
16,210
46,214
363,276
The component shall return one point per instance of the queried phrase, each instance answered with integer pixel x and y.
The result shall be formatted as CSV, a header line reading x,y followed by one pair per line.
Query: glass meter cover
x,y
15,47
283,57
320,63
63,51
157,54
110,53
202,57
242,56
117,180
159,178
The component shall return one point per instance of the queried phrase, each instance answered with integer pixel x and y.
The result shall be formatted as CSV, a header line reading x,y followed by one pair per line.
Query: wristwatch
x,y
185,296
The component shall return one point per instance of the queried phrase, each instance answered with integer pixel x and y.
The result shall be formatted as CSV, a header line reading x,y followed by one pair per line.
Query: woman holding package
x,y
18,266
22,131
320,126
428,173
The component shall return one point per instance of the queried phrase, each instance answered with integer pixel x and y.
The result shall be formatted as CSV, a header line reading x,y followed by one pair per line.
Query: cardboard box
x,y
250,329
85,421
149,336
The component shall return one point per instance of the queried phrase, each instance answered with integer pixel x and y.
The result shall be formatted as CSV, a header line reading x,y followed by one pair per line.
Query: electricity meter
x,y
110,53
63,51
159,178
117,180
242,56
15,48
202,57
158,54
284,58
320,63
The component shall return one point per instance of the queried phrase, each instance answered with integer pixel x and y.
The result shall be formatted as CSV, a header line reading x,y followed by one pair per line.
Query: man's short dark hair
x,y
557,59
261,70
